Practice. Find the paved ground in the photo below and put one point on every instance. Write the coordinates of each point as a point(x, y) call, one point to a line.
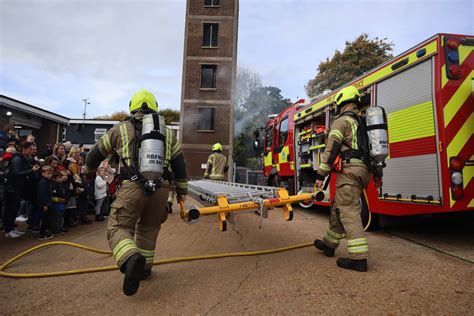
point(406, 276)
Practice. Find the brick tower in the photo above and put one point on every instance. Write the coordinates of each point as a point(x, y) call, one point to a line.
point(208, 86)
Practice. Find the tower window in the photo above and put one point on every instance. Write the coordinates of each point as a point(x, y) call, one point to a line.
point(212, 3)
point(210, 34)
point(206, 119)
point(208, 76)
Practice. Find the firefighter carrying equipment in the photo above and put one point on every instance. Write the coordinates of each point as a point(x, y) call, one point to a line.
point(149, 162)
point(372, 139)
point(151, 150)
point(143, 100)
point(217, 147)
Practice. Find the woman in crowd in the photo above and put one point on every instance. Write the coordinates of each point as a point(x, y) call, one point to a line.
point(59, 153)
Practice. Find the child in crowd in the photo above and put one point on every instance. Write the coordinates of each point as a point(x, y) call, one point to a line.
point(100, 193)
point(44, 201)
point(59, 199)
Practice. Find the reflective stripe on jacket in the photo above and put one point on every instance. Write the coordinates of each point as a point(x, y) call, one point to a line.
point(121, 140)
point(216, 166)
point(343, 131)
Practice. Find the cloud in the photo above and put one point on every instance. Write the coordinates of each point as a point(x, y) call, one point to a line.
point(105, 50)
point(57, 52)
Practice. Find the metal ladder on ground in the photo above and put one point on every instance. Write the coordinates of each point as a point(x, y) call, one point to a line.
point(225, 198)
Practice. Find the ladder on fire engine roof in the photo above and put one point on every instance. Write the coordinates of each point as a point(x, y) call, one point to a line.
point(225, 198)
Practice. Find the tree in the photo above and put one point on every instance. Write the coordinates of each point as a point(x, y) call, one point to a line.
point(116, 116)
point(169, 115)
point(357, 57)
point(246, 81)
point(253, 113)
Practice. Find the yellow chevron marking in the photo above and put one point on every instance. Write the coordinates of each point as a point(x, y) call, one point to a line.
point(457, 144)
point(471, 204)
point(464, 51)
point(410, 123)
point(461, 138)
point(444, 78)
point(458, 99)
point(467, 175)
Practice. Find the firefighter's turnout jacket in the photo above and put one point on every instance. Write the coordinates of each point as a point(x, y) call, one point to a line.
point(345, 220)
point(216, 166)
point(135, 218)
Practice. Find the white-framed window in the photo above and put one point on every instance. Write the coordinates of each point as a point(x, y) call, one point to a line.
point(99, 132)
point(210, 34)
point(212, 3)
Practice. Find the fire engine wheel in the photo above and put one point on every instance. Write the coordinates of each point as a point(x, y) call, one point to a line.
point(305, 204)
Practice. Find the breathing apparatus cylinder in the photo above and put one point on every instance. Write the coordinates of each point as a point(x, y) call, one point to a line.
point(152, 147)
point(376, 121)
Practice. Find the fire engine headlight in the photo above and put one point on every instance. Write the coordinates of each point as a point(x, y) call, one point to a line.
point(456, 178)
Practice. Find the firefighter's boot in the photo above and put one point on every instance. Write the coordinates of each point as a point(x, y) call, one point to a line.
point(134, 267)
point(145, 274)
point(328, 251)
point(353, 264)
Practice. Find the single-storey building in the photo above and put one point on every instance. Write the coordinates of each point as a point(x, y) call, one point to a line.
point(87, 132)
point(47, 127)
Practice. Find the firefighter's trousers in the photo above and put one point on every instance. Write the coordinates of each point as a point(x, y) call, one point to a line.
point(345, 220)
point(135, 221)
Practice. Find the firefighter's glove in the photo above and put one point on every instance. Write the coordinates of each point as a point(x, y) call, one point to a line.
point(378, 182)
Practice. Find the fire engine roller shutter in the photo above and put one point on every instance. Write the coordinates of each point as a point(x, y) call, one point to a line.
point(412, 168)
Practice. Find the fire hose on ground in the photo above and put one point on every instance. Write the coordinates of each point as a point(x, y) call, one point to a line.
point(8, 263)
point(188, 215)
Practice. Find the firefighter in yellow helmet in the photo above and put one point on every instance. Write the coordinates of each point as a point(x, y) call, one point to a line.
point(149, 157)
point(352, 179)
point(216, 164)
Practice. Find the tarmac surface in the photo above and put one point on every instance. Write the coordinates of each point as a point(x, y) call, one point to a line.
point(422, 265)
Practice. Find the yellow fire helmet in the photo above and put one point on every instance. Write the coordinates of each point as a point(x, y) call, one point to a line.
point(143, 100)
point(347, 94)
point(217, 147)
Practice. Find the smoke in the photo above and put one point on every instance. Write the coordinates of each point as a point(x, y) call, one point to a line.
point(247, 82)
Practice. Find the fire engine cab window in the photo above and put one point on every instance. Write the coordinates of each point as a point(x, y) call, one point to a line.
point(210, 33)
point(206, 119)
point(208, 76)
point(283, 132)
point(268, 138)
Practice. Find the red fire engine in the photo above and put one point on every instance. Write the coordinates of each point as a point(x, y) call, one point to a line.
point(427, 93)
point(278, 148)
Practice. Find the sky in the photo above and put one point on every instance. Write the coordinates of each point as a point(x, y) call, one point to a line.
point(55, 53)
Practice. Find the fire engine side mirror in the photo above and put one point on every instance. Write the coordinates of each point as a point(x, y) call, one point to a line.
point(256, 146)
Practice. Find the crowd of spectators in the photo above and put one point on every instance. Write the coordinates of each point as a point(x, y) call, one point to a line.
point(48, 191)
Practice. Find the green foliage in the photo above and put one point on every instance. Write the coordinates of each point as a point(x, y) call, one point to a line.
point(116, 116)
point(169, 115)
point(358, 56)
